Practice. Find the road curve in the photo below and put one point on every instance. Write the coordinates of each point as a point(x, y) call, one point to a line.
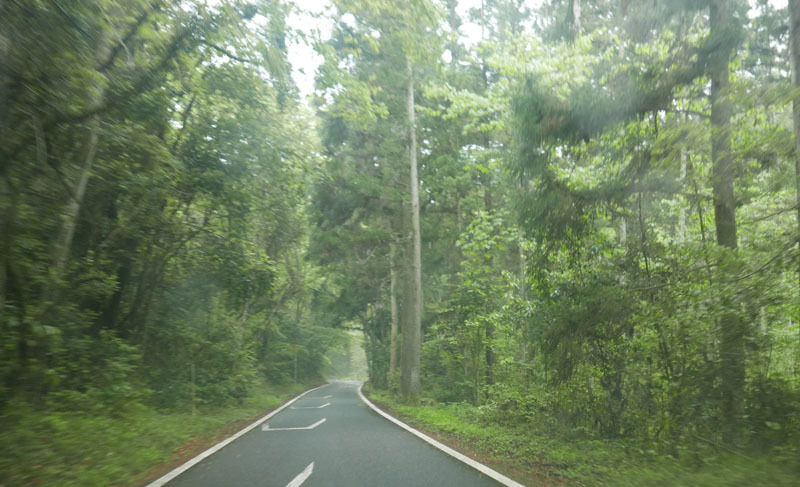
point(330, 438)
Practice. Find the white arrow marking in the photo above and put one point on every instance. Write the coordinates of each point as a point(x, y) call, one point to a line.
point(302, 476)
point(267, 428)
point(310, 407)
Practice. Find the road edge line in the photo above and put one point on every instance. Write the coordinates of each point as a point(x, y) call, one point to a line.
point(159, 482)
point(489, 472)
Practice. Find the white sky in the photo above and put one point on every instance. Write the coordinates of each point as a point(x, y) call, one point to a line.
point(305, 60)
point(302, 55)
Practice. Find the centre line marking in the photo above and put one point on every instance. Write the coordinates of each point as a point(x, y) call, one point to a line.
point(310, 407)
point(302, 476)
point(324, 397)
point(266, 427)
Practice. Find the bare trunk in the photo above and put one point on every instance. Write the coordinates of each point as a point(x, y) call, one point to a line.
point(622, 230)
point(732, 337)
point(724, 200)
point(393, 303)
point(574, 18)
point(523, 296)
point(69, 218)
point(8, 222)
point(240, 333)
point(489, 353)
point(682, 210)
point(412, 333)
point(454, 22)
point(9, 205)
point(84, 162)
point(522, 264)
point(2, 288)
point(794, 45)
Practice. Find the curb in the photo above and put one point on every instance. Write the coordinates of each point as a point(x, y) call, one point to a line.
point(222, 444)
point(440, 446)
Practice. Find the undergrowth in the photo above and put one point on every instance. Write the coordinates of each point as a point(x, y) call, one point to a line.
point(557, 457)
point(86, 449)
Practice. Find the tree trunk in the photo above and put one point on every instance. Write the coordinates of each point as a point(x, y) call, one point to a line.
point(454, 22)
point(6, 187)
point(7, 227)
point(489, 352)
point(84, 162)
point(69, 217)
point(724, 200)
point(682, 209)
point(732, 337)
point(523, 297)
point(393, 303)
point(574, 18)
point(622, 230)
point(794, 44)
point(412, 333)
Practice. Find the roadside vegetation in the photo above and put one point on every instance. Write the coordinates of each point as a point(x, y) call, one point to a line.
point(130, 447)
point(537, 454)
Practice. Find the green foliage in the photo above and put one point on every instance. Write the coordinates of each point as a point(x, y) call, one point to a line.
point(535, 448)
point(73, 447)
point(173, 229)
point(153, 191)
point(98, 376)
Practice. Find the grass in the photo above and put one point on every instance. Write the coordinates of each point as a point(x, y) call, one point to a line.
point(536, 457)
point(78, 449)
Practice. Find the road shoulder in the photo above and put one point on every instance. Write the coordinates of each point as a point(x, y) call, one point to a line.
point(453, 448)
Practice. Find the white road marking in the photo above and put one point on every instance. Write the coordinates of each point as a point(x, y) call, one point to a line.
point(302, 476)
point(324, 397)
point(219, 446)
point(453, 453)
point(310, 407)
point(267, 428)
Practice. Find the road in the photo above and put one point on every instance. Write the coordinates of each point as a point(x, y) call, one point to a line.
point(352, 447)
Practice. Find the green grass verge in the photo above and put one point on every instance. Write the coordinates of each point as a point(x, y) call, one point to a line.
point(536, 457)
point(78, 449)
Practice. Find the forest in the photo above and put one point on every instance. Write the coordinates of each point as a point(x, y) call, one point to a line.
point(573, 219)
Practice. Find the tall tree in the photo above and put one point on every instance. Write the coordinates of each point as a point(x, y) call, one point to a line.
point(412, 332)
point(794, 46)
point(732, 339)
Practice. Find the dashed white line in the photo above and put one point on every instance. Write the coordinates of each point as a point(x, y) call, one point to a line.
point(266, 427)
point(302, 476)
point(194, 461)
point(311, 407)
point(323, 397)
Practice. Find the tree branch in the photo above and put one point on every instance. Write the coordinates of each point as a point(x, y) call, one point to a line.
point(226, 53)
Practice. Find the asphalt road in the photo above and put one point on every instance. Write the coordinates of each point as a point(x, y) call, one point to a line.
point(353, 447)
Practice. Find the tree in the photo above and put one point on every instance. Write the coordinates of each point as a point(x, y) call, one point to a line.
point(412, 332)
point(145, 226)
point(732, 339)
point(794, 45)
point(385, 34)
